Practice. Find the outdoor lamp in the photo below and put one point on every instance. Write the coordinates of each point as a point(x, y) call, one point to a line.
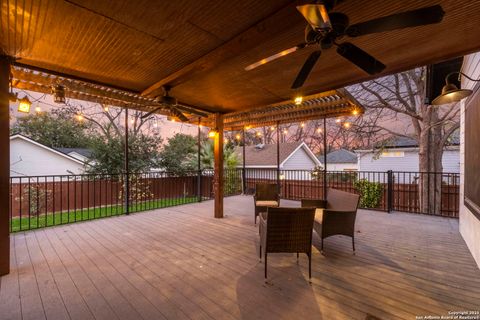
point(24, 105)
point(450, 92)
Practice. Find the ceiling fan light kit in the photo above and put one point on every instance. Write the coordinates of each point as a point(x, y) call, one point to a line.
point(326, 29)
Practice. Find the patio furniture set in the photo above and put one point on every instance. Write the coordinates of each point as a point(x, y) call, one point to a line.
point(290, 230)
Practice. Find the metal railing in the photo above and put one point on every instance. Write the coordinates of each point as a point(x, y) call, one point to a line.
point(42, 201)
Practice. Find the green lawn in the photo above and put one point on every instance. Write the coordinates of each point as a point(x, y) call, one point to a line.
point(52, 219)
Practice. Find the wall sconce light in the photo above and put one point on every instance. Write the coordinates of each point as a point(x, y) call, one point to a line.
point(450, 92)
point(24, 105)
point(58, 92)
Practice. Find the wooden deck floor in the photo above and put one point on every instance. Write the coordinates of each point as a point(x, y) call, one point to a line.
point(180, 263)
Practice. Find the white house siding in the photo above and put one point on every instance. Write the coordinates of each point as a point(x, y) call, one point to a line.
point(342, 166)
point(469, 225)
point(299, 160)
point(29, 159)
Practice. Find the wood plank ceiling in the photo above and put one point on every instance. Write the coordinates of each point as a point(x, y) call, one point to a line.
point(202, 47)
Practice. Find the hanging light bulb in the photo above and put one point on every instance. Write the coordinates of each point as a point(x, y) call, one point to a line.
point(338, 120)
point(105, 109)
point(238, 136)
point(213, 133)
point(355, 112)
point(347, 125)
point(302, 124)
point(38, 109)
point(272, 128)
point(80, 117)
point(24, 105)
point(319, 130)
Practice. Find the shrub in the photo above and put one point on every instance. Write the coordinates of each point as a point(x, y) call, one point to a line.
point(370, 193)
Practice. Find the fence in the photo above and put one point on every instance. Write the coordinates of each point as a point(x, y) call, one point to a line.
point(41, 201)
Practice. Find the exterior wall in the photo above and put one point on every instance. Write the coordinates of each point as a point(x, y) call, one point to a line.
point(469, 225)
point(28, 159)
point(300, 160)
point(342, 166)
point(409, 162)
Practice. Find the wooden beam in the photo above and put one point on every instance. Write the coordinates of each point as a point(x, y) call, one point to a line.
point(218, 175)
point(4, 166)
point(262, 31)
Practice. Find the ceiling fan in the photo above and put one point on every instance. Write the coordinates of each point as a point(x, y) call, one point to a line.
point(170, 104)
point(325, 28)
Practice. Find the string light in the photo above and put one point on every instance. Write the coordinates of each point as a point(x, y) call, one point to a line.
point(347, 125)
point(355, 112)
point(272, 128)
point(80, 117)
point(338, 120)
point(319, 130)
point(105, 109)
point(212, 133)
point(38, 109)
point(285, 131)
point(237, 136)
point(132, 121)
point(258, 134)
point(302, 124)
point(248, 127)
point(155, 124)
point(225, 140)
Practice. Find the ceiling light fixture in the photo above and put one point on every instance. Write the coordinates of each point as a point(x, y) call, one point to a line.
point(450, 92)
point(298, 100)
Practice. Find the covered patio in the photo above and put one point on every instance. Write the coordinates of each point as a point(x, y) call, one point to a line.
point(192, 58)
point(179, 263)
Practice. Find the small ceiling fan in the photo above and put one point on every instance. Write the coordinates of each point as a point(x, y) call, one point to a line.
point(168, 103)
point(325, 28)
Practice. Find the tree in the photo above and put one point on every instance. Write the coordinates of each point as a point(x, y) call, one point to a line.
point(207, 159)
point(56, 129)
point(399, 98)
point(177, 153)
point(108, 145)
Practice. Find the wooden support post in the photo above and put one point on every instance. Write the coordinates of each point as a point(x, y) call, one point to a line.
point(218, 175)
point(4, 166)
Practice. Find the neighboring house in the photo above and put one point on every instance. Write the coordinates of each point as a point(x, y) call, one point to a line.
point(341, 160)
point(81, 154)
point(401, 154)
point(293, 156)
point(30, 158)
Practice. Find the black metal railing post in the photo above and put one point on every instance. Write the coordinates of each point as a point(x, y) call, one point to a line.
point(126, 160)
point(389, 191)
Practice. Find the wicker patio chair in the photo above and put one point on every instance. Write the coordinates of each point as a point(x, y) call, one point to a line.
point(266, 195)
point(287, 230)
point(336, 215)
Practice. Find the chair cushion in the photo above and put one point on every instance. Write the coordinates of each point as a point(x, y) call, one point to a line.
point(319, 215)
point(266, 203)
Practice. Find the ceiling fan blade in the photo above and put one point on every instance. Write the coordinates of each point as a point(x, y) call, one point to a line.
point(360, 58)
point(275, 56)
point(177, 113)
point(148, 114)
point(414, 18)
point(306, 69)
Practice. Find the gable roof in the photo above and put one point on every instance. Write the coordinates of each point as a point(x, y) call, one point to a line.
point(341, 156)
point(87, 153)
point(24, 138)
point(266, 154)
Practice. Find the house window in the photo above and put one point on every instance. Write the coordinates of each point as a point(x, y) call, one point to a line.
point(393, 154)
